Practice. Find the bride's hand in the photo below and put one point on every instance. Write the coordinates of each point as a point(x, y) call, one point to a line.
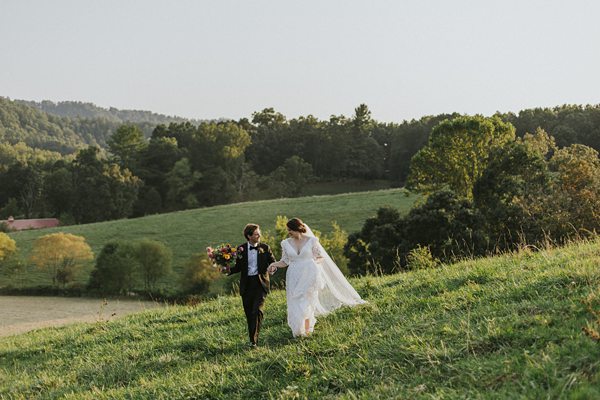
point(271, 269)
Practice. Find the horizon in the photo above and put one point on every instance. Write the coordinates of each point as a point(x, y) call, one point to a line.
point(229, 59)
point(516, 112)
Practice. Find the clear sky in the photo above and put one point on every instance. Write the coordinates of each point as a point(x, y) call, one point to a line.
point(224, 58)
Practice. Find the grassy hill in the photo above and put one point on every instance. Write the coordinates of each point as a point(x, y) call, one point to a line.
point(507, 327)
point(189, 232)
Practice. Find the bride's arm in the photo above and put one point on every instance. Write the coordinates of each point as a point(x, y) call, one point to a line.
point(278, 264)
point(284, 262)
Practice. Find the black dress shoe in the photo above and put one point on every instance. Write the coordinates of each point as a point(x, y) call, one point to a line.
point(252, 344)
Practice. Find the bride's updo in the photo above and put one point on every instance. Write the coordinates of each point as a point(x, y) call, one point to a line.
point(297, 225)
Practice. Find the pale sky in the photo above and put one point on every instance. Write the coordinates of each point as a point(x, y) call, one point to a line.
point(224, 58)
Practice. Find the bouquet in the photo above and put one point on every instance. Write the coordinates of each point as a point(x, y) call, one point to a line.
point(223, 256)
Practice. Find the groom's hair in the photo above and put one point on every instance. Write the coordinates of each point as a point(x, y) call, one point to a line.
point(249, 230)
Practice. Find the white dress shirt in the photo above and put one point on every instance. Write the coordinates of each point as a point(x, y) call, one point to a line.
point(252, 261)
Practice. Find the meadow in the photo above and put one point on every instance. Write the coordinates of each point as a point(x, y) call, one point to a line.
point(506, 327)
point(189, 232)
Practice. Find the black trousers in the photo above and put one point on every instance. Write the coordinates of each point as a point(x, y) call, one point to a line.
point(254, 301)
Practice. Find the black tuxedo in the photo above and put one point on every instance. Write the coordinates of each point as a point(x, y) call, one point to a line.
point(253, 289)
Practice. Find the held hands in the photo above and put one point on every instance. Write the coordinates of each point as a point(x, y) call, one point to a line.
point(271, 269)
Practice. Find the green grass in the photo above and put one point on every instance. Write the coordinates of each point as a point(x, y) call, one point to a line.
point(345, 186)
point(189, 232)
point(336, 187)
point(508, 327)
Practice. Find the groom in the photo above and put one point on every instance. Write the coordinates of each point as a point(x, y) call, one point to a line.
point(252, 261)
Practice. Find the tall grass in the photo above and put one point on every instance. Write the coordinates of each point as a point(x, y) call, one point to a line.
point(507, 327)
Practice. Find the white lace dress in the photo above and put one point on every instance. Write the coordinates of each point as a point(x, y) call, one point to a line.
point(303, 281)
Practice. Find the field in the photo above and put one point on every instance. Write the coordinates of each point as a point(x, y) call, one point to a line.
point(508, 327)
point(24, 313)
point(189, 232)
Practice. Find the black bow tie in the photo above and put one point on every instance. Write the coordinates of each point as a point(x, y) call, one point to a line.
point(253, 248)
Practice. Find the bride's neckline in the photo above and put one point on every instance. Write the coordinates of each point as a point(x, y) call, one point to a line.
point(290, 240)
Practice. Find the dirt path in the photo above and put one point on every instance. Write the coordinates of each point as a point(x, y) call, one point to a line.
point(20, 314)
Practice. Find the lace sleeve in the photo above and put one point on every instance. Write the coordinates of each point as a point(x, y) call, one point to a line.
point(284, 256)
point(316, 249)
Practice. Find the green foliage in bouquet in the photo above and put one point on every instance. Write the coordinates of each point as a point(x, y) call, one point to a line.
point(222, 256)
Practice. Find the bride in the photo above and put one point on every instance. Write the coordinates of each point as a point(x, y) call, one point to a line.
point(314, 284)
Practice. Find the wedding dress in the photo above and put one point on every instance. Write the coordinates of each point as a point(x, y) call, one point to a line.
point(314, 284)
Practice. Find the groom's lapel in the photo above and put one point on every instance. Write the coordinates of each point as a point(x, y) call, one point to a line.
point(244, 263)
point(260, 256)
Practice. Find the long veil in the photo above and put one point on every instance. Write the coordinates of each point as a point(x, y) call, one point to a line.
point(336, 291)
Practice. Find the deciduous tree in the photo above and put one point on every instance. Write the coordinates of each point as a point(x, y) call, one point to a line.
point(576, 199)
point(290, 178)
point(457, 153)
point(61, 254)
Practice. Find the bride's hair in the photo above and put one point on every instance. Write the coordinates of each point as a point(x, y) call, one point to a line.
point(297, 225)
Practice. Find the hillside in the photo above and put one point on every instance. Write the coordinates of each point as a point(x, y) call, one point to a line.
point(504, 328)
point(37, 129)
point(65, 127)
point(189, 232)
point(78, 109)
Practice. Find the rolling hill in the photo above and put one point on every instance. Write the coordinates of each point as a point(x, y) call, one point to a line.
point(189, 232)
point(508, 327)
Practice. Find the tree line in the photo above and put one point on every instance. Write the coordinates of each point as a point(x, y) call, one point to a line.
point(123, 170)
point(487, 191)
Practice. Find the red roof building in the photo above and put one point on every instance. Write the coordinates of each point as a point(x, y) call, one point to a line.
point(22, 224)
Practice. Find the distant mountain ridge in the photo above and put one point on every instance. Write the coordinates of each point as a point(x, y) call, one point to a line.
point(78, 109)
point(37, 129)
point(67, 126)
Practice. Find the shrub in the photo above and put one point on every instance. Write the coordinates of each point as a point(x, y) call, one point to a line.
point(154, 261)
point(449, 226)
point(274, 241)
point(7, 246)
point(375, 247)
point(116, 270)
point(420, 257)
point(199, 275)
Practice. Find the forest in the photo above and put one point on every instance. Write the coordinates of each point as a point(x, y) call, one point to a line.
point(82, 163)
